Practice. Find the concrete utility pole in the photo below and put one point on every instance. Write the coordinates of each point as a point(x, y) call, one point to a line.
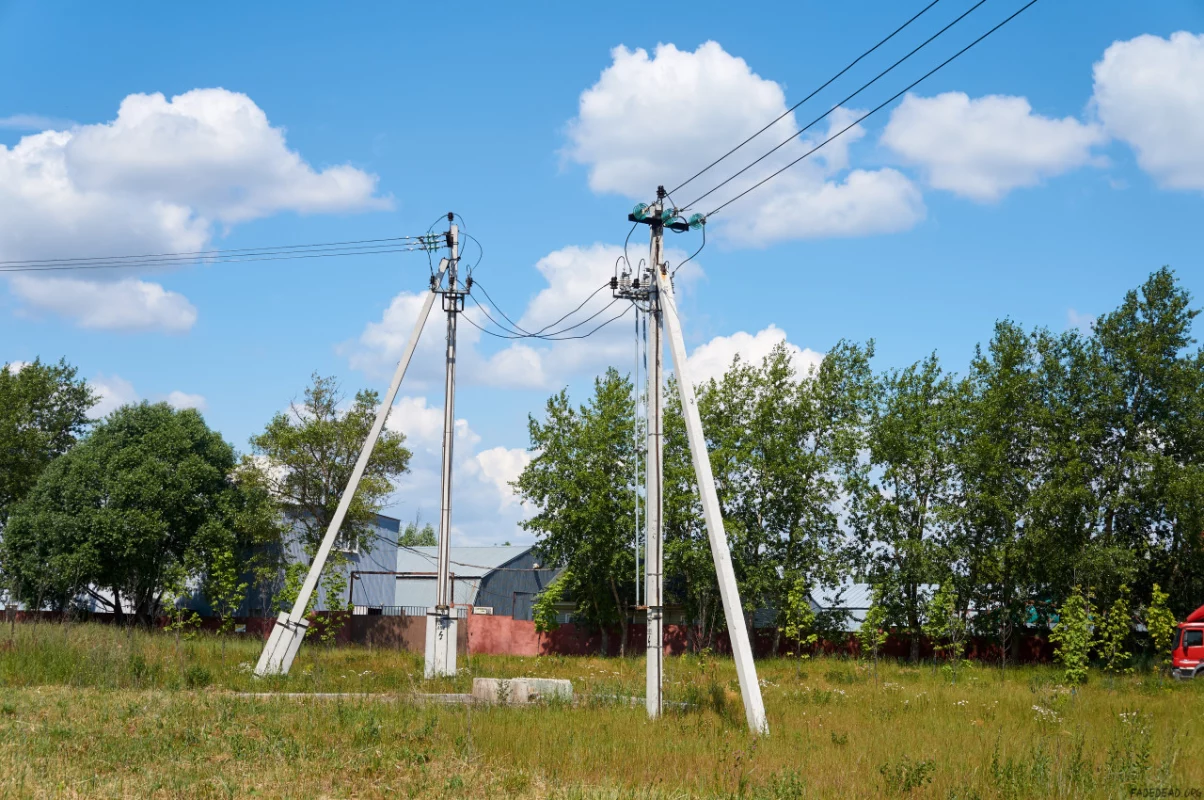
point(440, 622)
point(656, 287)
point(655, 471)
point(288, 632)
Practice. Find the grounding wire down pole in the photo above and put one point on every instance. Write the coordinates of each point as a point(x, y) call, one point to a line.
point(285, 638)
point(635, 419)
point(440, 623)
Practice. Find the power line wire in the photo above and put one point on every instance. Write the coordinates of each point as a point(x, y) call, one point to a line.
point(874, 110)
point(518, 328)
point(180, 263)
point(694, 254)
point(235, 255)
point(555, 336)
point(544, 329)
point(824, 115)
point(217, 252)
point(794, 107)
point(520, 332)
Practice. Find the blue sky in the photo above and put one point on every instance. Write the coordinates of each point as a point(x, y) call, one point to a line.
point(1043, 193)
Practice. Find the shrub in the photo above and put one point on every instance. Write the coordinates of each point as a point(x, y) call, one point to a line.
point(1072, 636)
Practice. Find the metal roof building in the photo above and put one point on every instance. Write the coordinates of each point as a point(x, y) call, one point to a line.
point(504, 579)
point(377, 555)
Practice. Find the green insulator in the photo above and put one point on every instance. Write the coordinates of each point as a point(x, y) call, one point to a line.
point(640, 212)
point(696, 221)
point(667, 215)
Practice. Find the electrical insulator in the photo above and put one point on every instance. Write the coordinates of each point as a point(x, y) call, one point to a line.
point(696, 221)
point(640, 212)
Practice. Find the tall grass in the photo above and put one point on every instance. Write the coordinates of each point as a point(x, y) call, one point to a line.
point(96, 711)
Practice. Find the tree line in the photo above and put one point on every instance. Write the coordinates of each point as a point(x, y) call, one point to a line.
point(1058, 465)
point(149, 508)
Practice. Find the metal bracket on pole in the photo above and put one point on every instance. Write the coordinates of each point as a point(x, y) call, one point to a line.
point(750, 689)
point(285, 640)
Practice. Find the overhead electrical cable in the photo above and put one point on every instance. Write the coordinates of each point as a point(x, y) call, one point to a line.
point(544, 329)
point(554, 336)
point(615, 318)
point(872, 111)
point(480, 255)
point(694, 254)
point(202, 253)
point(236, 255)
point(825, 115)
point(510, 333)
point(518, 332)
point(517, 328)
point(794, 107)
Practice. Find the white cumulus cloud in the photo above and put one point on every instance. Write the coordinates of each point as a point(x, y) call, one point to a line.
point(160, 177)
point(114, 392)
point(697, 105)
point(982, 148)
point(125, 305)
point(501, 466)
point(181, 400)
point(485, 509)
point(32, 122)
point(712, 360)
point(1149, 92)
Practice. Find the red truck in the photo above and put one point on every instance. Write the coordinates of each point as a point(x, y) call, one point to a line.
point(1187, 653)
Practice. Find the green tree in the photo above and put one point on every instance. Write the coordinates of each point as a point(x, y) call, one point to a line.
point(414, 535)
point(797, 618)
point(784, 448)
point(1113, 634)
point(224, 586)
point(1148, 439)
point(136, 507)
point(1071, 636)
point(43, 411)
point(946, 627)
point(306, 457)
point(1161, 624)
point(901, 516)
point(994, 453)
point(578, 480)
point(544, 608)
point(873, 632)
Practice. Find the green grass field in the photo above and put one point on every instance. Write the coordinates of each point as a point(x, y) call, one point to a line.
point(92, 711)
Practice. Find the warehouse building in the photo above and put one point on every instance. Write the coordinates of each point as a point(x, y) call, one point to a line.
point(493, 580)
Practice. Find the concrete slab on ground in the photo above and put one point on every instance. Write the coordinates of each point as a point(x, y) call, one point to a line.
point(521, 691)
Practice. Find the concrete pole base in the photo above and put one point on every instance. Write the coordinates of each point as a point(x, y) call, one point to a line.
point(283, 644)
point(441, 629)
